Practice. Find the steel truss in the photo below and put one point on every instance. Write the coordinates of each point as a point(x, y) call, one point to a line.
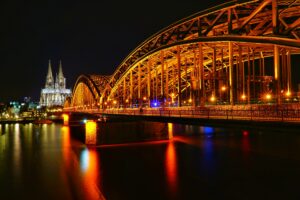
point(218, 55)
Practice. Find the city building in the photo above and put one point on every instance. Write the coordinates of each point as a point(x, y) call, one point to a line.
point(55, 92)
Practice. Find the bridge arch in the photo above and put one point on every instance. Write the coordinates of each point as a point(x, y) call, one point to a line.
point(87, 91)
point(235, 52)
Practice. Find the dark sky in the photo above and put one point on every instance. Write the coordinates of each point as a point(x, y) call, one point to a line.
point(88, 36)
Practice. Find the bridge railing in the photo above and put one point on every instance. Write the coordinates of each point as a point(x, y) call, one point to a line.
point(228, 114)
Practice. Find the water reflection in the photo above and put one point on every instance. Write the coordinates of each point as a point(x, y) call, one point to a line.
point(65, 119)
point(17, 150)
point(170, 131)
point(245, 142)
point(171, 167)
point(89, 164)
point(66, 144)
point(90, 132)
point(199, 162)
point(208, 131)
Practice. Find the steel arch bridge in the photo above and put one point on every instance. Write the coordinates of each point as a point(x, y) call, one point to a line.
point(236, 52)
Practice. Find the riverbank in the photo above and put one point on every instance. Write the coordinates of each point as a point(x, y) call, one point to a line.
point(31, 120)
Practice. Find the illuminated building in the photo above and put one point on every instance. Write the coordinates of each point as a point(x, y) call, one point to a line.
point(55, 92)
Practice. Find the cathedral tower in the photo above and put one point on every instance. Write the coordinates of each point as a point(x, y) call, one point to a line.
point(55, 92)
point(49, 77)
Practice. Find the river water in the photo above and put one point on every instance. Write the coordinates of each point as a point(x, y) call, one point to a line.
point(137, 160)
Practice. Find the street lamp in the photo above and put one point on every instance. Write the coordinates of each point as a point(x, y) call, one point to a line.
point(212, 98)
point(243, 97)
point(223, 88)
point(268, 96)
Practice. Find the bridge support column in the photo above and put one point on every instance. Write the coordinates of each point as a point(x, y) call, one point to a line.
point(230, 47)
point(277, 73)
point(149, 82)
point(167, 83)
point(253, 74)
point(131, 89)
point(289, 77)
point(248, 76)
point(162, 83)
point(179, 75)
point(139, 86)
point(214, 71)
point(201, 76)
point(124, 92)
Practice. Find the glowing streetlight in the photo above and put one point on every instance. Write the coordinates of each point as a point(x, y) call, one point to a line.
point(190, 100)
point(127, 101)
point(212, 98)
point(115, 102)
point(144, 98)
point(243, 97)
point(288, 94)
point(223, 88)
point(268, 96)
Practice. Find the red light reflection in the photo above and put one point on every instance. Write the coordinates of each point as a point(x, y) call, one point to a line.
point(171, 167)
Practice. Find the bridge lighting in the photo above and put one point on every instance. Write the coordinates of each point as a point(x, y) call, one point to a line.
point(212, 98)
point(90, 132)
point(223, 88)
point(243, 97)
point(268, 96)
point(65, 119)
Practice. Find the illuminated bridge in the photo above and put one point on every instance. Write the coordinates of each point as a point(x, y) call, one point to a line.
point(237, 53)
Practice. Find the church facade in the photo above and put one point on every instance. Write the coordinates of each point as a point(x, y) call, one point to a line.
point(55, 91)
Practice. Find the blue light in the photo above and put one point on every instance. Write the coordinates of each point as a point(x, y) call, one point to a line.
point(84, 160)
point(84, 121)
point(155, 103)
point(208, 130)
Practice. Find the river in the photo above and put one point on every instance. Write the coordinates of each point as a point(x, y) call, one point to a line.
point(137, 160)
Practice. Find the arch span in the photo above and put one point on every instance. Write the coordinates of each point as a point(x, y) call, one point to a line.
point(236, 52)
point(87, 90)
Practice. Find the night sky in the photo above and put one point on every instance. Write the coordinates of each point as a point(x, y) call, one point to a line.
point(90, 37)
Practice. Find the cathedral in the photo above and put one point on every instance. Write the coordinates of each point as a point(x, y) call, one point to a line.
point(55, 92)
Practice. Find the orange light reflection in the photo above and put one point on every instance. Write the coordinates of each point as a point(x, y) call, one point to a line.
point(66, 119)
point(170, 131)
point(91, 177)
point(171, 167)
point(91, 132)
point(66, 145)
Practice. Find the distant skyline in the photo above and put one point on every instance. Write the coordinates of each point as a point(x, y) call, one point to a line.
point(90, 37)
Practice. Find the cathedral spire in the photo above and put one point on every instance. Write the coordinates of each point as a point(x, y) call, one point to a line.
point(49, 78)
point(60, 72)
point(49, 74)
